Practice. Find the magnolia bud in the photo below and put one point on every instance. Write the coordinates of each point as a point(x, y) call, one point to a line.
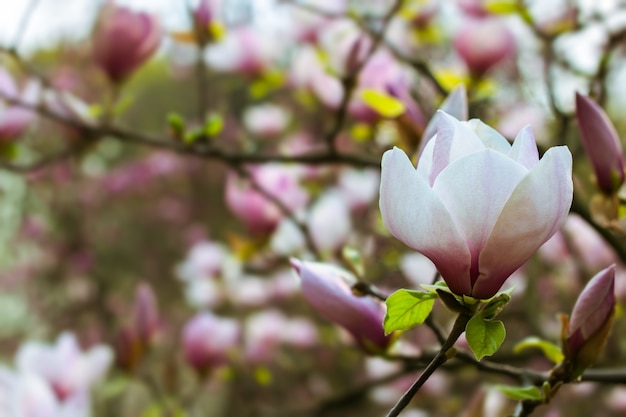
point(146, 314)
point(124, 40)
point(591, 320)
point(601, 143)
point(326, 289)
point(483, 44)
point(208, 340)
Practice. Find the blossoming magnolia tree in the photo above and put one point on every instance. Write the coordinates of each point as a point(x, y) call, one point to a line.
point(320, 208)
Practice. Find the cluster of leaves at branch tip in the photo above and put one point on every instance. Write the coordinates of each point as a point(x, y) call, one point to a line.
point(409, 308)
point(213, 125)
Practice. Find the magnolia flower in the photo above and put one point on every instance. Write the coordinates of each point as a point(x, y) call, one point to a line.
point(245, 50)
point(327, 290)
point(601, 143)
point(591, 320)
point(67, 369)
point(124, 40)
point(208, 340)
point(483, 43)
point(28, 395)
point(266, 120)
point(476, 206)
point(253, 207)
point(329, 221)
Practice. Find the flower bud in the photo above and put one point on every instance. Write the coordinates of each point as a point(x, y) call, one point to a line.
point(601, 143)
point(327, 290)
point(208, 340)
point(260, 214)
point(124, 40)
point(591, 320)
point(205, 23)
point(483, 44)
point(146, 314)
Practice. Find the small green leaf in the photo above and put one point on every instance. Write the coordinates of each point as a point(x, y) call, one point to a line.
point(214, 125)
point(193, 136)
point(406, 309)
point(521, 393)
point(176, 122)
point(502, 6)
point(439, 285)
point(484, 337)
point(495, 305)
point(382, 103)
point(549, 349)
point(123, 104)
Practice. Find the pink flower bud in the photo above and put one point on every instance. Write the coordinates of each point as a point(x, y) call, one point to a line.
point(601, 143)
point(591, 320)
point(327, 290)
point(208, 340)
point(260, 214)
point(204, 17)
point(205, 13)
point(483, 44)
point(146, 314)
point(124, 40)
point(476, 206)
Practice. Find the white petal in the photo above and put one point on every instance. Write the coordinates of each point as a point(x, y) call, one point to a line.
point(454, 140)
point(474, 189)
point(490, 137)
point(524, 149)
point(414, 214)
point(535, 211)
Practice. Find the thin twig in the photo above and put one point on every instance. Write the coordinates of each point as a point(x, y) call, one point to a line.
point(438, 360)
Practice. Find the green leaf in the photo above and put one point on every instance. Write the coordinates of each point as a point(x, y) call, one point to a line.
point(549, 349)
point(502, 6)
point(176, 122)
point(521, 393)
point(382, 103)
point(484, 337)
point(495, 305)
point(214, 125)
point(439, 285)
point(406, 309)
point(123, 104)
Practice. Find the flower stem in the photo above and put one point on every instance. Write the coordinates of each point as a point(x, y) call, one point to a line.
point(438, 360)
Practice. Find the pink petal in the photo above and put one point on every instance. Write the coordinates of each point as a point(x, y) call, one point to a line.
point(533, 213)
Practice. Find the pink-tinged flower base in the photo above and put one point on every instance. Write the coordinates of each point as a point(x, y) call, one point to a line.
point(477, 206)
